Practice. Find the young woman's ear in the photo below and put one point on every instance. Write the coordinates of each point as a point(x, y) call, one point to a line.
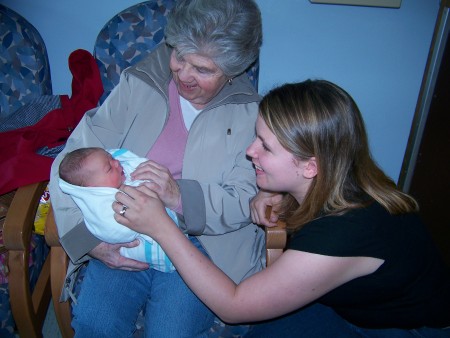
point(311, 168)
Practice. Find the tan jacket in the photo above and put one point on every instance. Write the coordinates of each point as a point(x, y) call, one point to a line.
point(218, 180)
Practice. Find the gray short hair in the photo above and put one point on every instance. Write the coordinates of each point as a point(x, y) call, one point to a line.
point(227, 31)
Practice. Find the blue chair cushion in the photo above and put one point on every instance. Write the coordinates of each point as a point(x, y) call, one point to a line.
point(24, 68)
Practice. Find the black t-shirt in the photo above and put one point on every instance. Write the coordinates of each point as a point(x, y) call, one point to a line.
point(411, 288)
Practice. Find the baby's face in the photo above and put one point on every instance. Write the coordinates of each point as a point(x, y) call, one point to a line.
point(103, 170)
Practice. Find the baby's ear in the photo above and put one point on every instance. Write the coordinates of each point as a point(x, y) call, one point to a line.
point(311, 168)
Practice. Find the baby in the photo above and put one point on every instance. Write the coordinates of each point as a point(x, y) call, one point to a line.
point(92, 177)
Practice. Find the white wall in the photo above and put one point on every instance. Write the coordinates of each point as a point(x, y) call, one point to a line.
point(377, 54)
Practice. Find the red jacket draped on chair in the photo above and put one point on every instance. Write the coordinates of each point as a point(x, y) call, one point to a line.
point(20, 165)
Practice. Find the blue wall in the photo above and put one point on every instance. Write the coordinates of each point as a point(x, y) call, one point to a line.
point(377, 54)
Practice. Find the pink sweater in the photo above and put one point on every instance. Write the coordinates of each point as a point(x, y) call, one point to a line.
point(168, 149)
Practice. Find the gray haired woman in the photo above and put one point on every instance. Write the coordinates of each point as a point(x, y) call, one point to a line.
point(190, 108)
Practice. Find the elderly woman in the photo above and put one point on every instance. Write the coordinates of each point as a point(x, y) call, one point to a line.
point(190, 109)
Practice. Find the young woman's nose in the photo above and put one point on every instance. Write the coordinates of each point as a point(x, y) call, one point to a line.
point(251, 150)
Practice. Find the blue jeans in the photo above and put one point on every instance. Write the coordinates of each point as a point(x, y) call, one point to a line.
point(319, 321)
point(110, 300)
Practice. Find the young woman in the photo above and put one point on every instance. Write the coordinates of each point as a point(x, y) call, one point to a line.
point(359, 261)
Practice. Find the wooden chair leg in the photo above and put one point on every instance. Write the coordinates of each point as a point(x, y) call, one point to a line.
point(28, 308)
point(63, 311)
point(59, 262)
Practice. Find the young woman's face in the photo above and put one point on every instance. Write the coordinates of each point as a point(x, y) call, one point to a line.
point(198, 79)
point(277, 169)
point(104, 170)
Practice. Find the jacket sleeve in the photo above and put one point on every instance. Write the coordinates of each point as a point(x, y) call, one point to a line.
point(223, 181)
point(228, 204)
point(101, 127)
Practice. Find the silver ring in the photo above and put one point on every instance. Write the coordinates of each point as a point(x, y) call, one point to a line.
point(124, 209)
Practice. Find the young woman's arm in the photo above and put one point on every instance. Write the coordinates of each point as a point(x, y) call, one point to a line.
point(293, 281)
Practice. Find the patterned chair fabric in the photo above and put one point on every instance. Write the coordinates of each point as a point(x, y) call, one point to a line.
point(128, 38)
point(24, 78)
point(24, 66)
point(133, 34)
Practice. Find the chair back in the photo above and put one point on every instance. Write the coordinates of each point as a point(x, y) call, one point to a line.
point(24, 65)
point(130, 36)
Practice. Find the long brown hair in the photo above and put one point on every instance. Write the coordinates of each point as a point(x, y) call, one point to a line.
point(319, 119)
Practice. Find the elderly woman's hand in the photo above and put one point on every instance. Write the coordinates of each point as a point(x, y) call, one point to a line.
point(259, 204)
point(140, 209)
point(160, 181)
point(110, 255)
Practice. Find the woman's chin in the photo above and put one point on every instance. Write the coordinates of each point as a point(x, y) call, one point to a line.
point(262, 184)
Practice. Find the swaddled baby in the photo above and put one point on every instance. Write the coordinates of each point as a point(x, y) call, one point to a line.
point(92, 177)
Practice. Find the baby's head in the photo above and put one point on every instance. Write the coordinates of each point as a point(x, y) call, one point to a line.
point(91, 167)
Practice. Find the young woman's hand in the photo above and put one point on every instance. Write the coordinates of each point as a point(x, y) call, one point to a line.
point(141, 209)
point(160, 180)
point(259, 204)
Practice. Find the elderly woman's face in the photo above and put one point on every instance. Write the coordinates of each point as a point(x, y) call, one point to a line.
point(198, 79)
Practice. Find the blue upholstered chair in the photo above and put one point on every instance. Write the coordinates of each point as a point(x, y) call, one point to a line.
point(24, 67)
point(24, 269)
point(128, 38)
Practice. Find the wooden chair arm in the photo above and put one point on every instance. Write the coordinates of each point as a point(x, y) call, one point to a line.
point(20, 218)
point(17, 232)
point(276, 238)
point(29, 308)
point(51, 231)
point(59, 262)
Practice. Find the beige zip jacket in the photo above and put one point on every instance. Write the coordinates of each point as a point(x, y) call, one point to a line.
point(218, 180)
